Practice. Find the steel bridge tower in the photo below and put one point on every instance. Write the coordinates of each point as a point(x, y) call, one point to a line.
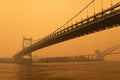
point(26, 43)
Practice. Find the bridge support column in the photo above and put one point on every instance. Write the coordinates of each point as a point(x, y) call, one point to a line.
point(92, 57)
point(88, 56)
point(27, 58)
point(99, 56)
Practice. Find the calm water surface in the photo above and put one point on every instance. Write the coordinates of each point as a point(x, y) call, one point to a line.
point(61, 71)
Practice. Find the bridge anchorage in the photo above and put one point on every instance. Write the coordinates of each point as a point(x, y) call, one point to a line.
point(28, 57)
point(98, 21)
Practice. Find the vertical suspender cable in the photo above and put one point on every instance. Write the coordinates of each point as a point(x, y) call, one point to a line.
point(102, 4)
point(111, 3)
point(94, 8)
point(75, 15)
point(81, 16)
point(87, 13)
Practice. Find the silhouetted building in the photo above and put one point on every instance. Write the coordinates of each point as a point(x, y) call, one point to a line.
point(6, 60)
point(64, 59)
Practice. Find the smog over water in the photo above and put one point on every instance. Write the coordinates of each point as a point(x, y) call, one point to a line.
point(59, 40)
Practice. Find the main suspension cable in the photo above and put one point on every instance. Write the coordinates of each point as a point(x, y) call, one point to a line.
point(75, 15)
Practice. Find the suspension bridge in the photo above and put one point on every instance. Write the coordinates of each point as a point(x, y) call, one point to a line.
point(98, 21)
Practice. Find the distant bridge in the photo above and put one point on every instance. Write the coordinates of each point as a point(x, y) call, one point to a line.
point(110, 51)
point(107, 18)
point(100, 55)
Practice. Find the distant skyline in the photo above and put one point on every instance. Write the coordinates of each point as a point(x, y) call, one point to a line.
point(38, 18)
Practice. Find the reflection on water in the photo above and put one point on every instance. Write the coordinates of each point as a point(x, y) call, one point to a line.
point(61, 71)
point(15, 72)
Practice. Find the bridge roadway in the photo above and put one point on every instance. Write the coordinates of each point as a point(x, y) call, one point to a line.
point(106, 19)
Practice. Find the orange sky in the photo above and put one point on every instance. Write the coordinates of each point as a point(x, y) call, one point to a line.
point(38, 18)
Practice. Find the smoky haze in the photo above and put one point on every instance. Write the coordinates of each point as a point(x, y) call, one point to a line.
point(38, 18)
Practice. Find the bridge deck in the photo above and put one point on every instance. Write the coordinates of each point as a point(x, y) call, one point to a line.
point(104, 20)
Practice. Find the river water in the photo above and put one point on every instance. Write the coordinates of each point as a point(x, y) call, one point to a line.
point(61, 71)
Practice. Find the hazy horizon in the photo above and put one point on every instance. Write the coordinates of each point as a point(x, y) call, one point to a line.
point(39, 18)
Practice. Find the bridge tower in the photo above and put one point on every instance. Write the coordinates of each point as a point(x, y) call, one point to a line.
point(99, 56)
point(27, 42)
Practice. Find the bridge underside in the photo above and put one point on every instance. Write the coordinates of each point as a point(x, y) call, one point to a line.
point(88, 28)
point(95, 24)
